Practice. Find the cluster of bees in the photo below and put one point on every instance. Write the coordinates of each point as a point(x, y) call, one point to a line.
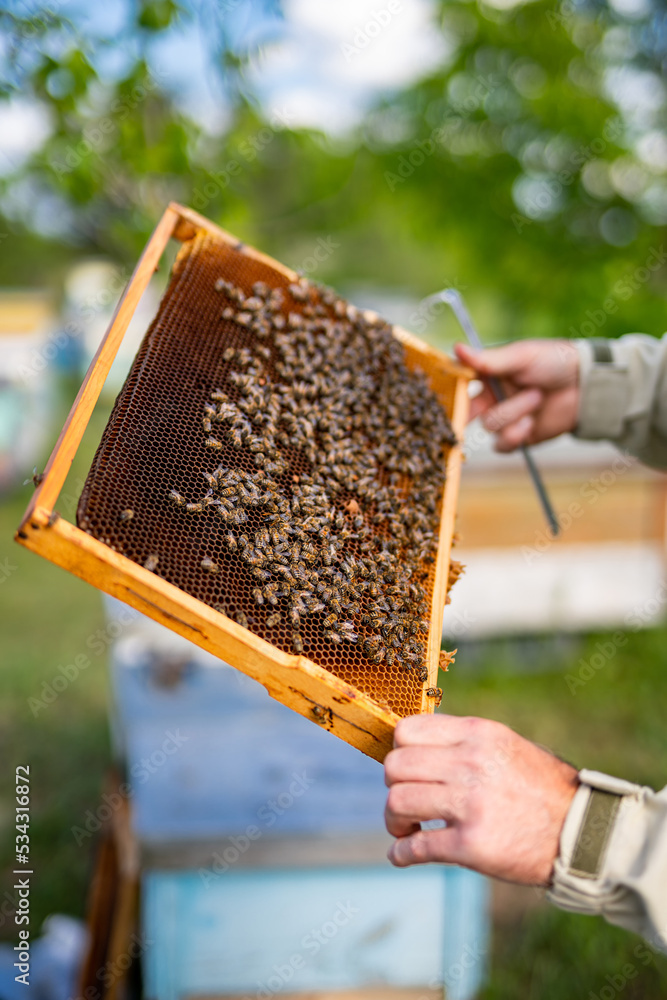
point(332, 504)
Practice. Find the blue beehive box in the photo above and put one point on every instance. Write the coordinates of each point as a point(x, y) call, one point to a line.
point(263, 846)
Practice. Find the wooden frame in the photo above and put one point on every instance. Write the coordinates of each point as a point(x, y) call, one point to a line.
point(113, 904)
point(294, 680)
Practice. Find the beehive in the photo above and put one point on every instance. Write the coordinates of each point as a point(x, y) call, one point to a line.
point(133, 544)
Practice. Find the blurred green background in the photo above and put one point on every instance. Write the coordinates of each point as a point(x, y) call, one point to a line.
point(525, 162)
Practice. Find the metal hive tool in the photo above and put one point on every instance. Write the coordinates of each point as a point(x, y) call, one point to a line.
point(177, 568)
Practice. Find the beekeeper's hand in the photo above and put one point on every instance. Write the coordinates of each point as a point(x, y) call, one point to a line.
point(541, 379)
point(504, 799)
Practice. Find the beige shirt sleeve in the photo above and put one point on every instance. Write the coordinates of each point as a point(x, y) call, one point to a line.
point(625, 400)
point(630, 888)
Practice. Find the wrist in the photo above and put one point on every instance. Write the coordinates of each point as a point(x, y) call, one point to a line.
point(564, 792)
point(585, 838)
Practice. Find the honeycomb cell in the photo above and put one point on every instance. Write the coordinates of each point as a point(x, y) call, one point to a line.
point(216, 454)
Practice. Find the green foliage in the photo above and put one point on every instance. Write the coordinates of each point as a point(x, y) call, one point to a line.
point(492, 173)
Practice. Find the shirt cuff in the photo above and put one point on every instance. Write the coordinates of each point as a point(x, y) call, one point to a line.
point(609, 892)
point(604, 396)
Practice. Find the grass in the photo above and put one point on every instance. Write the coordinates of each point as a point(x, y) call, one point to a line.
point(614, 722)
point(46, 616)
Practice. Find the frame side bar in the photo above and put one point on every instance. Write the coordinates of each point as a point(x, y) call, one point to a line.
point(447, 519)
point(59, 463)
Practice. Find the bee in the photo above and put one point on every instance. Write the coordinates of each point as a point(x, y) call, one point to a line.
point(261, 574)
point(261, 328)
point(231, 542)
point(273, 619)
point(379, 655)
point(294, 615)
point(194, 508)
point(332, 636)
point(241, 619)
point(211, 480)
point(213, 444)
point(262, 538)
point(209, 566)
point(227, 491)
point(36, 478)
point(435, 693)
point(258, 596)
point(261, 289)
point(297, 642)
point(228, 312)
point(390, 657)
point(242, 541)
point(239, 516)
point(235, 437)
point(276, 535)
point(229, 354)
point(206, 424)
point(151, 562)
point(177, 499)
point(218, 396)
point(253, 304)
point(299, 293)
point(126, 515)
point(330, 620)
point(226, 411)
point(244, 318)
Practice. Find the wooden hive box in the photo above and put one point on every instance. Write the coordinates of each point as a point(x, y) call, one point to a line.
point(152, 426)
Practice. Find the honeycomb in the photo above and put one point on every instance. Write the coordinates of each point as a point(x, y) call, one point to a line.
point(153, 447)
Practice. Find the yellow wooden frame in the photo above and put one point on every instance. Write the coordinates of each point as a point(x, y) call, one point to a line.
point(294, 680)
